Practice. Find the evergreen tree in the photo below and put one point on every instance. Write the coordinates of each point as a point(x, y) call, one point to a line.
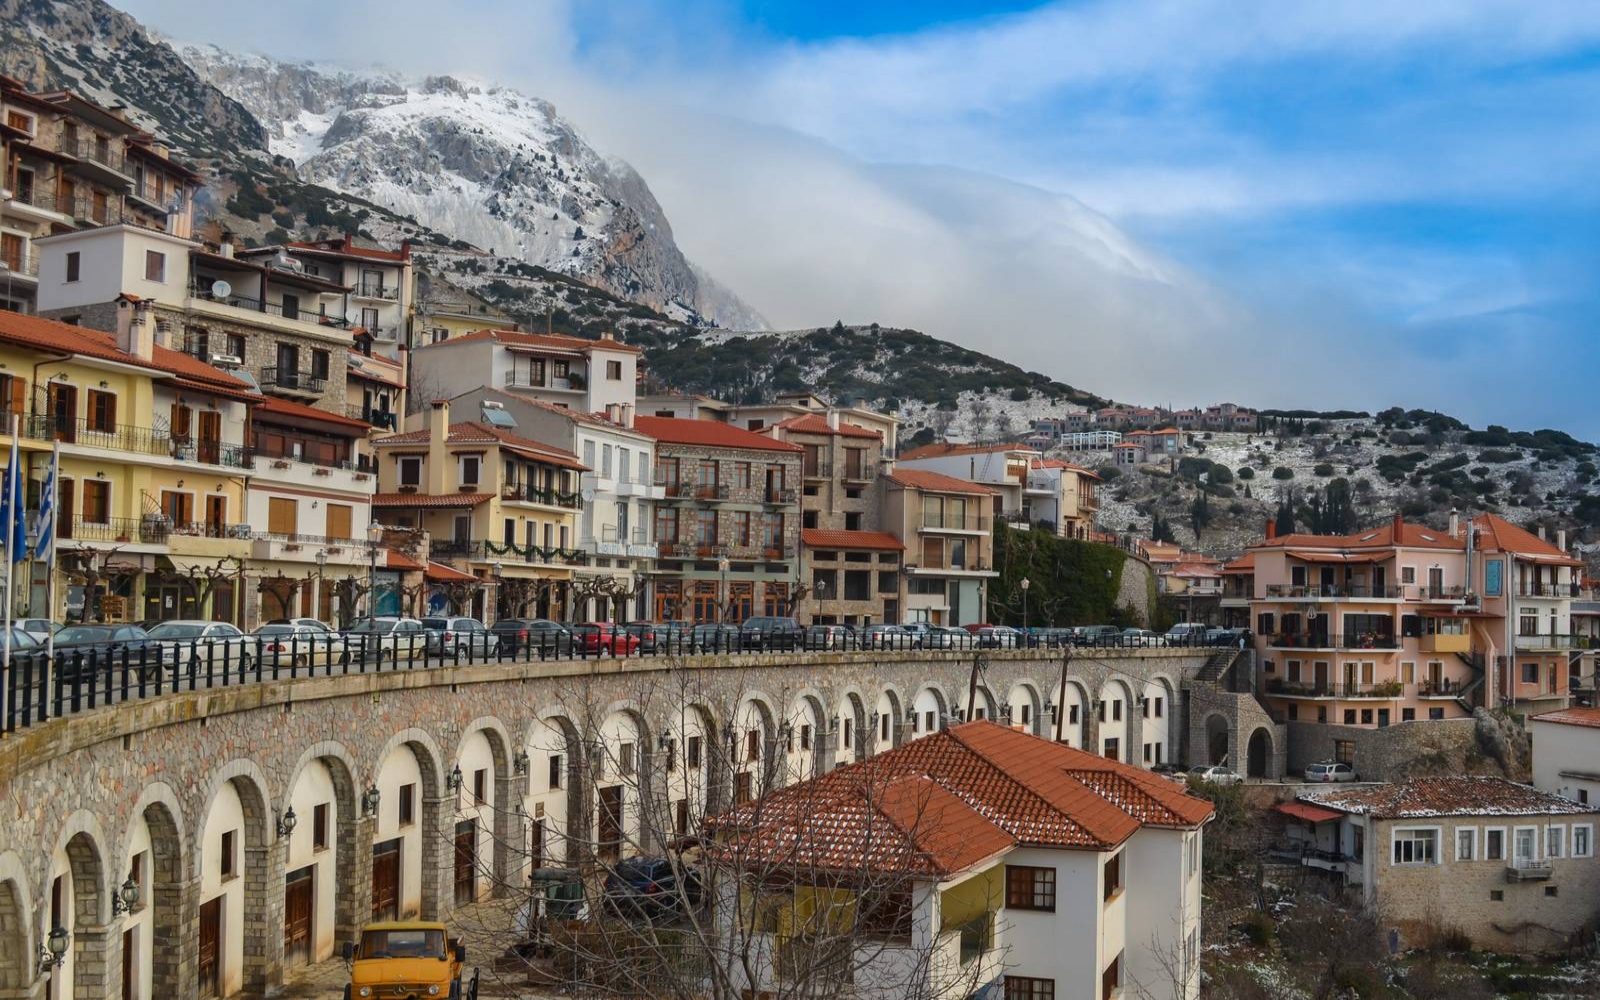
point(1160, 530)
point(1285, 520)
point(1200, 513)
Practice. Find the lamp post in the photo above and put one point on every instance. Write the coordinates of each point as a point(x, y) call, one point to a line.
point(722, 566)
point(322, 577)
point(499, 587)
point(125, 898)
point(822, 597)
point(375, 535)
point(1026, 583)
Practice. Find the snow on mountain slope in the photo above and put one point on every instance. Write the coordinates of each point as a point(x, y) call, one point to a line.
point(485, 164)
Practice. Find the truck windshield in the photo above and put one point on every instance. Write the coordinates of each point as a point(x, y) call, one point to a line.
point(406, 943)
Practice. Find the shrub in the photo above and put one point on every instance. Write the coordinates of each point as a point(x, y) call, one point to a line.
point(1498, 456)
point(1245, 472)
point(1283, 472)
point(1323, 469)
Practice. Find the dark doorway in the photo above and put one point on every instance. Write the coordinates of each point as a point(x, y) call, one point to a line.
point(386, 880)
point(466, 862)
point(609, 829)
point(210, 959)
point(1259, 750)
point(130, 951)
point(299, 895)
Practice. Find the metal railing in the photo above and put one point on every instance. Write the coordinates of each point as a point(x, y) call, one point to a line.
point(297, 538)
point(26, 264)
point(946, 522)
point(1318, 640)
point(1334, 591)
point(1557, 642)
point(106, 154)
point(820, 469)
point(526, 380)
point(1548, 590)
point(386, 419)
point(39, 196)
point(272, 375)
point(377, 290)
point(539, 494)
point(525, 553)
point(201, 289)
point(137, 440)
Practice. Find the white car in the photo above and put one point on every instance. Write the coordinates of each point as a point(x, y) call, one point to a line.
point(1329, 770)
point(1215, 775)
point(386, 637)
point(316, 625)
point(194, 644)
point(284, 644)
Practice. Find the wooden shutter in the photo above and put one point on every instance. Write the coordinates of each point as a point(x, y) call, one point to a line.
point(180, 420)
point(338, 521)
point(282, 516)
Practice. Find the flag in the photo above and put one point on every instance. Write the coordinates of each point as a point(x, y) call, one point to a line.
point(13, 519)
point(44, 546)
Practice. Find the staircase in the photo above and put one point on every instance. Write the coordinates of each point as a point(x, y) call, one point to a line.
point(1464, 696)
point(1217, 666)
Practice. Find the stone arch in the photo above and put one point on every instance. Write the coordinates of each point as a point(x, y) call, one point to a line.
point(1218, 738)
point(851, 732)
point(930, 711)
point(1073, 706)
point(426, 750)
point(1158, 721)
point(753, 752)
point(82, 838)
point(619, 781)
point(78, 860)
point(493, 817)
point(416, 849)
point(17, 951)
point(158, 809)
point(554, 793)
point(888, 716)
point(339, 888)
point(803, 750)
point(251, 943)
point(986, 706)
point(1258, 753)
point(1024, 706)
point(1115, 719)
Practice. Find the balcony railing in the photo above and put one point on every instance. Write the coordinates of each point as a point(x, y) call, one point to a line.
point(41, 196)
point(946, 522)
point(1529, 870)
point(386, 419)
point(1548, 590)
point(517, 379)
point(359, 464)
point(201, 289)
point(115, 529)
point(105, 154)
point(1341, 689)
point(1557, 642)
point(1334, 591)
point(536, 494)
point(19, 264)
point(526, 553)
point(820, 469)
point(777, 495)
point(377, 290)
point(1319, 640)
point(296, 381)
point(134, 440)
point(296, 538)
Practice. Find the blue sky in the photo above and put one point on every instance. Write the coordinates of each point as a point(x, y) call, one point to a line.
point(1164, 200)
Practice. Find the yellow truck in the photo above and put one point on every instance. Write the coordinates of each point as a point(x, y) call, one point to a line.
point(407, 960)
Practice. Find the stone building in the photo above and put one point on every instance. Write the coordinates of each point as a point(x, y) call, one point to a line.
point(728, 525)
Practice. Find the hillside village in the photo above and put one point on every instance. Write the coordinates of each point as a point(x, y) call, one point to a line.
point(1067, 697)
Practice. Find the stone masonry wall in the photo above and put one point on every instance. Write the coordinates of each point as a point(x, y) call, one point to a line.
point(1387, 754)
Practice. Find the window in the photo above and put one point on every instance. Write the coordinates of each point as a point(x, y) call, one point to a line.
point(1497, 895)
point(319, 364)
point(1416, 847)
point(480, 785)
point(705, 528)
point(1158, 708)
point(1555, 841)
point(1408, 574)
point(407, 813)
point(625, 758)
point(1550, 890)
point(613, 371)
point(102, 411)
point(469, 470)
point(1030, 888)
point(226, 858)
point(74, 264)
point(553, 771)
point(411, 472)
point(741, 528)
point(1030, 988)
point(805, 736)
point(1494, 845)
point(319, 827)
point(694, 751)
point(1408, 715)
point(1116, 710)
point(1583, 841)
point(1113, 877)
point(96, 501)
point(1466, 843)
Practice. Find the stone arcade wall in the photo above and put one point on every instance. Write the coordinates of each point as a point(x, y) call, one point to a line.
point(79, 787)
point(1385, 754)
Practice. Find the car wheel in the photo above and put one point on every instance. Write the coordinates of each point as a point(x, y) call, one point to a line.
point(302, 660)
point(245, 662)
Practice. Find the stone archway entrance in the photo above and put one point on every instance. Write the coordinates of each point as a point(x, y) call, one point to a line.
point(1216, 739)
point(1258, 754)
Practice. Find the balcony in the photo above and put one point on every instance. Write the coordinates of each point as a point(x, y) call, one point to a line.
point(519, 493)
point(1345, 592)
point(103, 160)
point(777, 495)
point(1331, 691)
point(1529, 870)
point(820, 469)
point(40, 203)
point(290, 382)
point(1445, 642)
point(517, 379)
point(356, 476)
point(1553, 642)
point(971, 524)
point(201, 289)
point(377, 290)
point(512, 552)
point(21, 268)
point(638, 486)
point(306, 548)
point(1320, 640)
point(1443, 687)
point(126, 439)
point(635, 544)
point(1550, 590)
point(383, 419)
point(118, 530)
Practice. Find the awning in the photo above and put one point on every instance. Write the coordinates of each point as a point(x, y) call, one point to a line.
point(440, 573)
point(1306, 555)
point(1308, 812)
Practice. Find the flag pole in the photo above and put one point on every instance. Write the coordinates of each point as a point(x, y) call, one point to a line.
point(11, 534)
point(53, 496)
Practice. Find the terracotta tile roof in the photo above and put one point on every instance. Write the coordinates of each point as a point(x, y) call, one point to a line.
point(548, 341)
point(593, 419)
point(1587, 717)
point(1456, 795)
point(709, 434)
point(1308, 811)
point(346, 247)
point(811, 423)
point(429, 499)
point(1244, 564)
point(55, 337)
point(936, 482)
point(395, 559)
point(288, 408)
point(1500, 534)
point(1386, 535)
point(939, 804)
point(440, 573)
point(944, 450)
point(375, 369)
point(825, 538)
point(471, 432)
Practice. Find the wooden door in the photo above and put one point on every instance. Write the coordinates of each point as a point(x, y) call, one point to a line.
point(216, 516)
point(386, 880)
point(63, 404)
point(608, 829)
point(299, 895)
point(466, 861)
point(210, 959)
point(210, 437)
point(130, 953)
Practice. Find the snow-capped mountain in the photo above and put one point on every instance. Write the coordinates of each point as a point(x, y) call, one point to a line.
point(482, 163)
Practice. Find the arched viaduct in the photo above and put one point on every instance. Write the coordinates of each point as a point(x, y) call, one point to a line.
point(415, 791)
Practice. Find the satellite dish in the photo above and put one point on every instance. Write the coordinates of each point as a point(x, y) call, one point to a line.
point(221, 289)
point(588, 494)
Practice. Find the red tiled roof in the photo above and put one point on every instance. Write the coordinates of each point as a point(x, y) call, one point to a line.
point(549, 341)
point(708, 434)
point(376, 369)
point(50, 335)
point(1244, 564)
point(811, 423)
point(944, 802)
point(826, 538)
point(936, 482)
point(471, 432)
point(596, 419)
point(1308, 811)
point(347, 247)
point(440, 573)
point(1587, 717)
point(1456, 795)
point(395, 559)
point(289, 408)
point(943, 450)
point(1506, 537)
point(429, 499)
point(1387, 535)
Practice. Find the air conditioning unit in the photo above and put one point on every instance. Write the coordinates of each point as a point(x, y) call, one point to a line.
point(227, 360)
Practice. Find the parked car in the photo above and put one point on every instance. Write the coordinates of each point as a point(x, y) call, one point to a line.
point(1330, 770)
point(768, 632)
point(532, 635)
point(466, 637)
point(386, 637)
point(1098, 635)
point(887, 637)
point(26, 646)
point(1052, 638)
point(39, 628)
point(195, 644)
point(1215, 775)
point(670, 637)
point(284, 644)
point(649, 889)
point(712, 637)
point(646, 633)
point(82, 648)
point(1186, 634)
point(999, 637)
point(313, 624)
point(597, 638)
point(1140, 637)
point(824, 637)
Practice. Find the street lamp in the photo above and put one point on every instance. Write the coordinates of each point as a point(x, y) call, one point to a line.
point(1026, 583)
point(322, 574)
point(286, 823)
point(369, 800)
point(722, 566)
point(125, 898)
point(453, 780)
point(375, 535)
point(822, 597)
point(54, 951)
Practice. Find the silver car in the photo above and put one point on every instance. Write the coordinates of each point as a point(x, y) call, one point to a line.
point(194, 643)
point(467, 637)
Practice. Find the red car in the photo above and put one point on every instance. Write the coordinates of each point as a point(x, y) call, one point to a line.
point(603, 637)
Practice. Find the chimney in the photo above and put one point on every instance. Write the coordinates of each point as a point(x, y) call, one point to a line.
point(438, 464)
point(135, 331)
point(627, 415)
point(438, 423)
point(1455, 523)
point(1399, 528)
point(833, 419)
point(1561, 539)
point(225, 244)
point(608, 335)
point(1541, 533)
point(1272, 529)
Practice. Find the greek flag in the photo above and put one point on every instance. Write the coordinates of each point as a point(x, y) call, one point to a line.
point(44, 546)
point(13, 518)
